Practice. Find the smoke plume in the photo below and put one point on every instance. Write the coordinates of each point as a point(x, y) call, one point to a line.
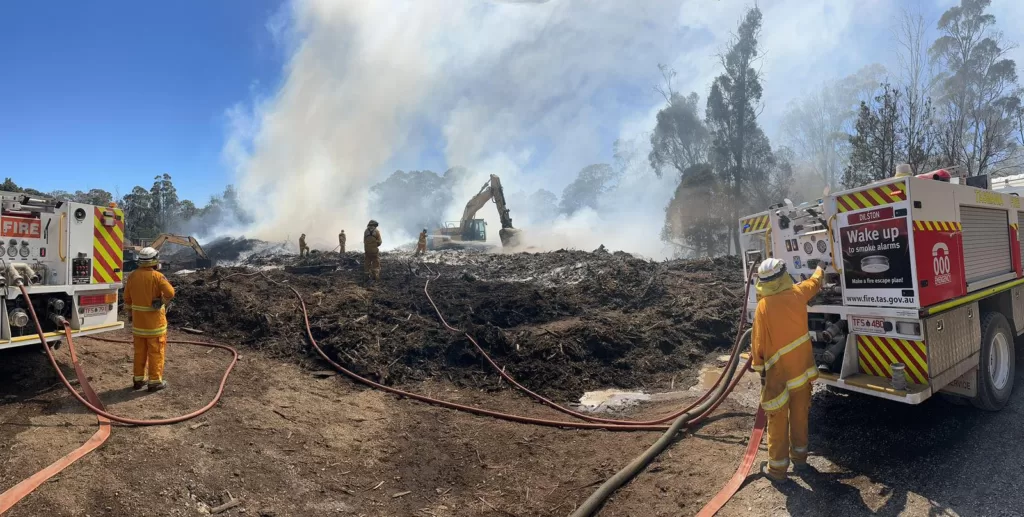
point(530, 90)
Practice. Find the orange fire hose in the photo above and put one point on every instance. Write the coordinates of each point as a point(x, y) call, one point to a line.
point(18, 492)
point(734, 484)
point(93, 403)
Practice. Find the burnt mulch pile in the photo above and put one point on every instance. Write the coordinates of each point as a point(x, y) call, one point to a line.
point(561, 322)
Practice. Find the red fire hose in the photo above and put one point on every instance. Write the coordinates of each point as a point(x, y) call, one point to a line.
point(447, 404)
point(93, 403)
point(729, 368)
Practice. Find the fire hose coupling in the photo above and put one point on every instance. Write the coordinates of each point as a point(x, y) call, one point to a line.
point(834, 331)
point(19, 273)
point(899, 376)
point(18, 318)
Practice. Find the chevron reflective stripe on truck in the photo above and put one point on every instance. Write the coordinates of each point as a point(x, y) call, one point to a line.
point(872, 197)
point(876, 355)
point(107, 247)
point(937, 226)
point(755, 224)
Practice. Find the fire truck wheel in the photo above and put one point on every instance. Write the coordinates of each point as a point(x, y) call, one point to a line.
point(996, 363)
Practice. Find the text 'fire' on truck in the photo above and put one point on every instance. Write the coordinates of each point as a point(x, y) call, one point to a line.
point(69, 256)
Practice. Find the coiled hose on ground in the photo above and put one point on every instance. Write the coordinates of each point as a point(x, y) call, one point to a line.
point(91, 401)
point(102, 412)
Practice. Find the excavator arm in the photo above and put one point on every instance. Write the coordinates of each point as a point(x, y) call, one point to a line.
point(499, 199)
point(477, 202)
point(188, 242)
point(491, 190)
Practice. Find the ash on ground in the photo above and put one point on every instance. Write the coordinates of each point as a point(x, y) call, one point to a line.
point(562, 322)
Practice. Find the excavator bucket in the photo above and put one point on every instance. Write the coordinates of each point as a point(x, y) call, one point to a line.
point(202, 263)
point(510, 237)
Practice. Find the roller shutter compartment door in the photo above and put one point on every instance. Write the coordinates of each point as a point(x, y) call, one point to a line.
point(1020, 238)
point(986, 238)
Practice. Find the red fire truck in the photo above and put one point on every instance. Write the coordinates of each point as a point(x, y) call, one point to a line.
point(924, 280)
point(69, 257)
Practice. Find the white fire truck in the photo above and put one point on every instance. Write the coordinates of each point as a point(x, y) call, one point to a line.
point(925, 280)
point(69, 256)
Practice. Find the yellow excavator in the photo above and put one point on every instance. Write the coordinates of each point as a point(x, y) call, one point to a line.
point(131, 252)
point(459, 234)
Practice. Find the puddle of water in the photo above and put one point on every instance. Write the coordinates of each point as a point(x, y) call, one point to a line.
point(610, 399)
point(747, 393)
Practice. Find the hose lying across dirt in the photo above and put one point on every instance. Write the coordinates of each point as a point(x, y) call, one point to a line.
point(447, 404)
point(92, 402)
point(597, 499)
point(727, 374)
point(100, 411)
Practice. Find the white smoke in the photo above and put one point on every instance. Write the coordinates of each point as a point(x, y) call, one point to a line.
point(530, 90)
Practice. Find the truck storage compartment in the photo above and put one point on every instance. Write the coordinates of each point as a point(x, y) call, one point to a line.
point(986, 241)
point(1020, 239)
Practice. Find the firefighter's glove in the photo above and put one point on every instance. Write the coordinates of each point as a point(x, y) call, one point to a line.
point(157, 304)
point(762, 381)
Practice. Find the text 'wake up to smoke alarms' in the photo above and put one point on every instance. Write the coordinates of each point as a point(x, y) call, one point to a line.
point(872, 237)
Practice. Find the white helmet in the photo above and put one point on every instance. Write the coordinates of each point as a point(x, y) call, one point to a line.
point(148, 256)
point(771, 269)
point(903, 170)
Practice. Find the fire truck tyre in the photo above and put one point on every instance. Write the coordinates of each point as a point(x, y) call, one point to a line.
point(996, 367)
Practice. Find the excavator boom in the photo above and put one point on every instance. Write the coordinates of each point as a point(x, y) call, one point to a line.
point(202, 259)
point(181, 240)
point(469, 228)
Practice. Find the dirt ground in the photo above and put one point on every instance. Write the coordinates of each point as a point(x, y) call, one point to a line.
point(287, 442)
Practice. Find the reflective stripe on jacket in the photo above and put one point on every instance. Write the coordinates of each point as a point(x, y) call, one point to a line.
point(144, 286)
point(781, 344)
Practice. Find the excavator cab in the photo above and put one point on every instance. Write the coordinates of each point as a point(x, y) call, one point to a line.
point(474, 230)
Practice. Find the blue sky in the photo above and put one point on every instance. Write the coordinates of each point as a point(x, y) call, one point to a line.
point(108, 94)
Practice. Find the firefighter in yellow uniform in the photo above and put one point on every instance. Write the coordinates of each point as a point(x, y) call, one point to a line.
point(421, 245)
point(371, 245)
point(147, 293)
point(782, 355)
point(303, 249)
point(341, 242)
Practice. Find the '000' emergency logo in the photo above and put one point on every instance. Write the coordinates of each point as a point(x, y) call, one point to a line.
point(940, 264)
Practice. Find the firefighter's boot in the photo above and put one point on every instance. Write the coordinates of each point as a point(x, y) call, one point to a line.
point(157, 386)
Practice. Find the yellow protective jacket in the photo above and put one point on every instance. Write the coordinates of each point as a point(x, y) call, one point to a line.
point(423, 239)
point(781, 344)
point(341, 239)
point(372, 240)
point(146, 285)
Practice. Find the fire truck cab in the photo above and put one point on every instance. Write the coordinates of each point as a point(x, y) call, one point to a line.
point(68, 255)
point(924, 291)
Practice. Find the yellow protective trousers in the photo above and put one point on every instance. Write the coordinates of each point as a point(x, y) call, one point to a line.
point(150, 352)
point(787, 433)
point(372, 264)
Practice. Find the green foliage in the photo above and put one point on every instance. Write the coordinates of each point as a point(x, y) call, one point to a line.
point(585, 191)
point(680, 139)
point(740, 152)
point(978, 100)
